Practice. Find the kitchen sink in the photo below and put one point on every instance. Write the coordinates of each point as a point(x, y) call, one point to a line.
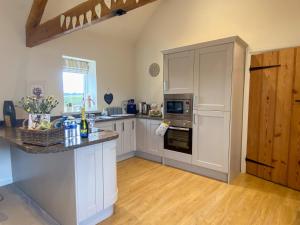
point(122, 115)
point(103, 117)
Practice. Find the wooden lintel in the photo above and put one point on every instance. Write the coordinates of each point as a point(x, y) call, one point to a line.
point(52, 29)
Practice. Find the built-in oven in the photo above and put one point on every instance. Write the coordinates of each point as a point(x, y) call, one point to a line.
point(178, 139)
point(179, 114)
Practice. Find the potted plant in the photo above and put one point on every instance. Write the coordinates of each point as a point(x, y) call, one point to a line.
point(39, 109)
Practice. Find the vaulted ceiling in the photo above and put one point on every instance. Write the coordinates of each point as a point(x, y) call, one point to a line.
point(127, 27)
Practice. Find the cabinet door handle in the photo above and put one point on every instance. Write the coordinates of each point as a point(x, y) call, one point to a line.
point(123, 126)
point(297, 101)
point(166, 85)
point(115, 127)
point(194, 118)
point(195, 103)
point(132, 125)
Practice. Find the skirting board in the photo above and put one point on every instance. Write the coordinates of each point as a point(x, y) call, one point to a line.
point(148, 156)
point(6, 181)
point(197, 170)
point(42, 213)
point(125, 156)
point(103, 215)
point(180, 165)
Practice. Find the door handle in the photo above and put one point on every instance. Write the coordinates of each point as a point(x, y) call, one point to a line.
point(123, 125)
point(297, 101)
point(132, 125)
point(195, 100)
point(179, 128)
point(115, 127)
point(194, 119)
point(166, 85)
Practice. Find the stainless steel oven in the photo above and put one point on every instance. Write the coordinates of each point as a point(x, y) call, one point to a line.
point(179, 139)
point(179, 113)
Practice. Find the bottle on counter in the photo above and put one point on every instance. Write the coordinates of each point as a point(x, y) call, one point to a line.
point(84, 127)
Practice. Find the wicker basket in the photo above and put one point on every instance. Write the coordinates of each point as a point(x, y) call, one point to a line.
point(42, 138)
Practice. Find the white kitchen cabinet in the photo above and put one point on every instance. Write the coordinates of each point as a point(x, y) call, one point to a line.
point(146, 139)
point(154, 142)
point(179, 72)
point(126, 142)
point(118, 127)
point(213, 71)
point(89, 181)
point(141, 134)
point(211, 140)
point(96, 179)
point(110, 189)
point(129, 136)
point(218, 88)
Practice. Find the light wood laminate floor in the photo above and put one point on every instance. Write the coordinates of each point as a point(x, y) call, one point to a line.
point(152, 194)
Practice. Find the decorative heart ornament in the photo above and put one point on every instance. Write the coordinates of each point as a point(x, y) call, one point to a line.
point(68, 21)
point(81, 20)
point(89, 16)
point(108, 98)
point(74, 21)
point(108, 3)
point(62, 20)
point(98, 10)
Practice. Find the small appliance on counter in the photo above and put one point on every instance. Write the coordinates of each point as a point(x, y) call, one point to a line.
point(155, 111)
point(131, 107)
point(146, 108)
point(9, 114)
point(141, 106)
point(114, 111)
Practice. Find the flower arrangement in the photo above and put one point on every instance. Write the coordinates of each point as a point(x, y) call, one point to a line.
point(38, 105)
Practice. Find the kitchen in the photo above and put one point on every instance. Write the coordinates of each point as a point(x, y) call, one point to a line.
point(123, 49)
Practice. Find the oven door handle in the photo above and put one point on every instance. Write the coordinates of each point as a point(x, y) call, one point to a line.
point(179, 128)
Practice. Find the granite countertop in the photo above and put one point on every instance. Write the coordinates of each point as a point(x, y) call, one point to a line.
point(72, 140)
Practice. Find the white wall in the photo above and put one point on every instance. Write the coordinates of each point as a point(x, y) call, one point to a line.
point(21, 66)
point(263, 24)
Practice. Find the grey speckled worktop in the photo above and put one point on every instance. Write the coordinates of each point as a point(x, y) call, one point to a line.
point(72, 141)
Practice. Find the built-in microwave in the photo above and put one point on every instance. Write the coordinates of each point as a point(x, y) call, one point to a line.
point(178, 106)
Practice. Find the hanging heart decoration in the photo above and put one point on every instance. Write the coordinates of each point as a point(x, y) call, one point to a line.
point(74, 21)
point(68, 21)
point(98, 10)
point(89, 16)
point(62, 20)
point(108, 3)
point(108, 98)
point(81, 20)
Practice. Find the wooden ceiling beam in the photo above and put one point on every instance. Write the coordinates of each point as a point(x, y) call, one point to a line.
point(52, 29)
point(36, 13)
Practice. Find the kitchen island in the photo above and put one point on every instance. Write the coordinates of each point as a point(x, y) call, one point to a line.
point(72, 183)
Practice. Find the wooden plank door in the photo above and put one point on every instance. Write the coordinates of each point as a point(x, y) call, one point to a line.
point(270, 109)
point(294, 156)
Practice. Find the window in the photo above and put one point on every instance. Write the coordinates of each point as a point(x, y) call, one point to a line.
point(79, 84)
